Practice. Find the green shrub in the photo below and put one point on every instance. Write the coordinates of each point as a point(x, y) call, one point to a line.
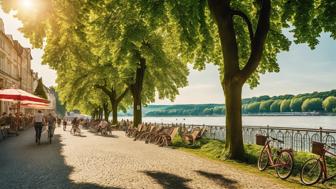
point(253, 107)
point(329, 104)
point(265, 106)
point(295, 104)
point(275, 107)
point(177, 141)
point(285, 106)
point(312, 105)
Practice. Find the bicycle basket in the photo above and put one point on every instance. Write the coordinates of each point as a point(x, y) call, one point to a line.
point(317, 148)
point(261, 139)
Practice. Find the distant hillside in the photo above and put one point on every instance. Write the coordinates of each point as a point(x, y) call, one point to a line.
point(308, 102)
point(186, 110)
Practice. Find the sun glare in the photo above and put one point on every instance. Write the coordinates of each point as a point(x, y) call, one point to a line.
point(27, 4)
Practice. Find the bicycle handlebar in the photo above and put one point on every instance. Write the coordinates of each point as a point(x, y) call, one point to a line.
point(275, 139)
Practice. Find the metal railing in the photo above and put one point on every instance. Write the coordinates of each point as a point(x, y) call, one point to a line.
point(298, 139)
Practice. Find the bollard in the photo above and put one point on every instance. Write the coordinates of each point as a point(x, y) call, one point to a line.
point(320, 134)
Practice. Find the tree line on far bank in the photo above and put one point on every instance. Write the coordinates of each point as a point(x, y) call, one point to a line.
point(309, 102)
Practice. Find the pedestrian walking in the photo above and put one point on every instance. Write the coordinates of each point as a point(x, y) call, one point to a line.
point(64, 124)
point(59, 120)
point(51, 121)
point(38, 123)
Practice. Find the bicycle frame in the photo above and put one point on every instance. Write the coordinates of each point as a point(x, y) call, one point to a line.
point(270, 155)
point(324, 166)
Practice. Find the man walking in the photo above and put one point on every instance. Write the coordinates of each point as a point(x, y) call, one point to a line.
point(38, 123)
point(51, 120)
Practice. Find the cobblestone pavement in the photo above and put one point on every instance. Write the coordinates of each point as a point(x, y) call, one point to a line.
point(92, 161)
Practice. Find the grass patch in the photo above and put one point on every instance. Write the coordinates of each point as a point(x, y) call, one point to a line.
point(214, 149)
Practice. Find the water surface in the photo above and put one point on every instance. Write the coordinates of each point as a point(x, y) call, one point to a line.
point(326, 122)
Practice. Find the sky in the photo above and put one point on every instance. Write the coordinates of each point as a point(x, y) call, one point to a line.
point(302, 70)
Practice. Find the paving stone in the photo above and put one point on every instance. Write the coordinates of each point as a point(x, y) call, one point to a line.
point(93, 161)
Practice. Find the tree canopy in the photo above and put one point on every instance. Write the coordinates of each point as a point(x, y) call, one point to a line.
point(242, 38)
point(107, 46)
point(39, 91)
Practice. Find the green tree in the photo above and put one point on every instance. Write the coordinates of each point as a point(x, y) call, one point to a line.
point(245, 42)
point(285, 106)
point(145, 52)
point(253, 107)
point(265, 106)
point(60, 108)
point(208, 111)
point(39, 91)
point(244, 108)
point(275, 106)
point(295, 104)
point(312, 105)
point(219, 110)
point(329, 104)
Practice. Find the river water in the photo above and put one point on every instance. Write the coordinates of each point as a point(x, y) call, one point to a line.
point(326, 122)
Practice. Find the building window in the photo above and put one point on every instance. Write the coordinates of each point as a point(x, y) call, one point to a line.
point(2, 83)
point(2, 62)
point(1, 43)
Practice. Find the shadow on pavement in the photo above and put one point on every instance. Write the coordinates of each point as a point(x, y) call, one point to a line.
point(83, 136)
point(219, 179)
point(167, 180)
point(108, 136)
point(24, 164)
point(97, 134)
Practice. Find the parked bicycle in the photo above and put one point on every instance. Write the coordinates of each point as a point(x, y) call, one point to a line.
point(282, 160)
point(315, 169)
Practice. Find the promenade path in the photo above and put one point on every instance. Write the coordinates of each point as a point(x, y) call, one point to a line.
point(93, 161)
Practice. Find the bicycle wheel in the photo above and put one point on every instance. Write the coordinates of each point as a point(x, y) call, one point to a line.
point(284, 164)
point(311, 172)
point(263, 160)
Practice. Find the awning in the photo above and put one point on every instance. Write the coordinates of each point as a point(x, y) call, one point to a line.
point(36, 106)
point(20, 96)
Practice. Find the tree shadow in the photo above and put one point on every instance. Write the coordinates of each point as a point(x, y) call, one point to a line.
point(219, 179)
point(108, 136)
point(24, 164)
point(168, 180)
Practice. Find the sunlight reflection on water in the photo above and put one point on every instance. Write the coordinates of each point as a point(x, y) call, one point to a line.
point(326, 122)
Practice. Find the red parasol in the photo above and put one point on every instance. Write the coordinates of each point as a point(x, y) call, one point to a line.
point(20, 96)
point(36, 106)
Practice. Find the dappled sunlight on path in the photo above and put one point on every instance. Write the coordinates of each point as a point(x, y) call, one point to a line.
point(93, 161)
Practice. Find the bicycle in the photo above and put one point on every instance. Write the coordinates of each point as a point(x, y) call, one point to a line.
point(282, 160)
point(315, 169)
point(75, 130)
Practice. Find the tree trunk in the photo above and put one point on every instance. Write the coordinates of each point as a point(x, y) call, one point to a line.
point(231, 85)
point(137, 108)
point(106, 112)
point(100, 113)
point(114, 112)
point(234, 137)
point(136, 90)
